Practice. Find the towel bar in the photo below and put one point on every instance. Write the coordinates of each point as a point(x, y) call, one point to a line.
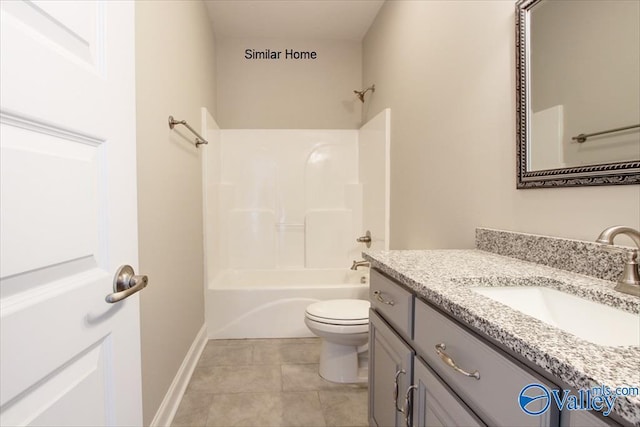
point(199, 140)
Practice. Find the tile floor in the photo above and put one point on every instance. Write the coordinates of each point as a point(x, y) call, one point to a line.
point(268, 382)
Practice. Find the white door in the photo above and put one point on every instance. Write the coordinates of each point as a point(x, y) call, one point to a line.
point(68, 214)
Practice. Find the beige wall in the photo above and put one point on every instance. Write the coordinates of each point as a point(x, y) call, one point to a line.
point(288, 94)
point(175, 68)
point(446, 70)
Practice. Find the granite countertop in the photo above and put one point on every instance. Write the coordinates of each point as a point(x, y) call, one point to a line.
point(444, 278)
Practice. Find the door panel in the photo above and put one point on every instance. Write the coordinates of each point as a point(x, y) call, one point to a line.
point(54, 400)
point(55, 205)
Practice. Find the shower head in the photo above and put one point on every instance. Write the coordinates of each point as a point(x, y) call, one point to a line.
point(360, 93)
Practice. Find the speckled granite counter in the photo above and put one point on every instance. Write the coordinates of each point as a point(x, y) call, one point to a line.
point(444, 278)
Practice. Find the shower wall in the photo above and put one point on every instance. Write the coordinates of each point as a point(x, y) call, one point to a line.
point(211, 169)
point(289, 199)
point(374, 165)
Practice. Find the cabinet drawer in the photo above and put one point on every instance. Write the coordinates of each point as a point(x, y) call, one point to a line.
point(393, 302)
point(494, 396)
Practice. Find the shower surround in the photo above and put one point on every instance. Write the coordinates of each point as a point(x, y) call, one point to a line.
point(283, 211)
point(289, 198)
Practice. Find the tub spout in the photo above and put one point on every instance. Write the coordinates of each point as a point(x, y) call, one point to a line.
point(357, 264)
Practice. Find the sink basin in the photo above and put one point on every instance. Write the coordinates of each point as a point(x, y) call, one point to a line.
point(594, 322)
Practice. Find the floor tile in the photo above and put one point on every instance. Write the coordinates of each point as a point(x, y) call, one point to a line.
point(289, 353)
point(344, 408)
point(193, 410)
point(305, 377)
point(299, 409)
point(267, 341)
point(302, 409)
point(227, 354)
point(244, 409)
point(228, 342)
point(236, 379)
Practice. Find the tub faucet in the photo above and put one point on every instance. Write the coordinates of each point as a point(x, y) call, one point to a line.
point(357, 264)
point(629, 281)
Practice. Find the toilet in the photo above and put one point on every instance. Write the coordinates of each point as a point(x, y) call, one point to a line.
point(343, 325)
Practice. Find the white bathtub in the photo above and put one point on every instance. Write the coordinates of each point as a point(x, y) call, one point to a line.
point(271, 303)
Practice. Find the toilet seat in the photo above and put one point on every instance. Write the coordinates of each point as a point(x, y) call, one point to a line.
point(336, 329)
point(342, 312)
point(338, 322)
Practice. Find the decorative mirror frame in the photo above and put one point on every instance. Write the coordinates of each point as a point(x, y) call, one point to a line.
point(601, 174)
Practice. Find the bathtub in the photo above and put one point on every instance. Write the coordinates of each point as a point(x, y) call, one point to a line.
point(271, 303)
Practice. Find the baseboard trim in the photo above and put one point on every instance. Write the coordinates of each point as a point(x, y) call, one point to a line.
point(169, 406)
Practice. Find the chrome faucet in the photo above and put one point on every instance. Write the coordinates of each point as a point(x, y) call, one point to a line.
point(357, 264)
point(629, 281)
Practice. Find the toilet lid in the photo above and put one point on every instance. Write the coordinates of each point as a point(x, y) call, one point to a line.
point(351, 311)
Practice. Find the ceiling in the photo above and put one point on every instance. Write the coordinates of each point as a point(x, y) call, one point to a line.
point(307, 19)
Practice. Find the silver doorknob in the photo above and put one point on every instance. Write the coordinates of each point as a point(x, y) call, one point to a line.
point(126, 283)
point(365, 239)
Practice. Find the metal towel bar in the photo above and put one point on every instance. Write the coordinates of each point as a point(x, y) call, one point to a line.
point(199, 140)
point(583, 136)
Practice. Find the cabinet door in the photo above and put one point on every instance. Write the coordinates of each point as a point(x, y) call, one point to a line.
point(584, 419)
point(434, 404)
point(390, 359)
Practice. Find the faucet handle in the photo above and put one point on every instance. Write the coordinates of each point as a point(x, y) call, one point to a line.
point(629, 281)
point(365, 239)
point(620, 249)
point(632, 255)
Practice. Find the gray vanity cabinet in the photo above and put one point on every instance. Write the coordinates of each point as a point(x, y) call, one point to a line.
point(412, 370)
point(390, 373)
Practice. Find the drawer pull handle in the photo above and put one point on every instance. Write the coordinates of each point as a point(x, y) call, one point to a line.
point(449, 361)
point(408, 406)
point(395, 390)
point(378, 295)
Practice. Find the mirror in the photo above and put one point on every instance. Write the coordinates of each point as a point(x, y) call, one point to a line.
point(578, 92)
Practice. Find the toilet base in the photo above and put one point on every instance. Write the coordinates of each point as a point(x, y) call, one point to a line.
point(343, 364)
